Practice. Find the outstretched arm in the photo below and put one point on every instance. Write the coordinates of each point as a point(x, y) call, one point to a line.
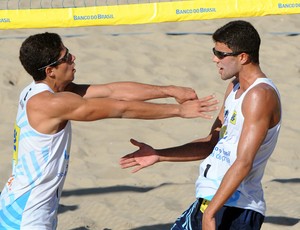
point(131, 91)
point(65, 106)
point(199, 149)
point(146, 155)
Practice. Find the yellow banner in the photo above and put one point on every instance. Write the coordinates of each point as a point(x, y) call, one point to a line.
point(144, 13)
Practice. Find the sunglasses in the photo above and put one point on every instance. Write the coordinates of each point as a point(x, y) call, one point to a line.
point(221, 55)
point(66, 58)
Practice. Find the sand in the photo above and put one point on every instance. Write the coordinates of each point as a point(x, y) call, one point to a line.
point(98, 194)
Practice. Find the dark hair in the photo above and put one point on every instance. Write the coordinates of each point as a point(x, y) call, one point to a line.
point(40, 50)
point(240, 36)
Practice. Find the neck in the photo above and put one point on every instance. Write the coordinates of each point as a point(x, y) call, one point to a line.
point(53, 85)
point(248, 76)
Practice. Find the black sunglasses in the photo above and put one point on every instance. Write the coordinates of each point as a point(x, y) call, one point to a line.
point(66, 58)
point(221, 55)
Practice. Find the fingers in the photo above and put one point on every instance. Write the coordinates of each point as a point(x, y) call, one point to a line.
point(129, 161)
point(128, 164)
point(209, 106)
point(206, 116)
point(136, 169)
point(136, 143)
point(199, 108)
point(207, 98)
point(207, 103)
point(185, 94)
point(192, 94)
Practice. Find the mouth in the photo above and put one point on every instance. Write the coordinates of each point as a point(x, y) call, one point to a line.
point(220, 69)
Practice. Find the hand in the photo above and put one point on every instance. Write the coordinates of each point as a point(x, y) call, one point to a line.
point(141, 158)
point(208, 222)
point(197, 108)
point(182, 94)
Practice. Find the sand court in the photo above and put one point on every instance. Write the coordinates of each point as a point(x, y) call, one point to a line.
point(98, 194)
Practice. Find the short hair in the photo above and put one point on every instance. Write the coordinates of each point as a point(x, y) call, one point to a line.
point(40, 50)
point(240, 36)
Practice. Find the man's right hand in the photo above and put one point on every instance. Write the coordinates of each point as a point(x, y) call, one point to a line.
point(142, 158)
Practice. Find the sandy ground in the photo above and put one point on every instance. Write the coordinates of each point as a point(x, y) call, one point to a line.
point(98, 194)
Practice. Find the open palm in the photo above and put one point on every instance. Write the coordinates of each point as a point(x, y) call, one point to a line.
point(142, 158)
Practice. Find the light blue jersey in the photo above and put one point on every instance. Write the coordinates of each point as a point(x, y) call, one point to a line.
point(249, 194)
point(31, 196)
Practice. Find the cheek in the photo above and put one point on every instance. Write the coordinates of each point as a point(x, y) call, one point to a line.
point(66, 70)
point(229, 70)
point(65, 73)
point(230, 65)
point(233, 70)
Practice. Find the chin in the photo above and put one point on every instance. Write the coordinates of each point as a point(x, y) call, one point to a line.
point(224, 78)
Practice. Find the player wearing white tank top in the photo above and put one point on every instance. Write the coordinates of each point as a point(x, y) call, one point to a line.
point(30, 199)
point(249, 194)
point(42, 132)
point(242, 138)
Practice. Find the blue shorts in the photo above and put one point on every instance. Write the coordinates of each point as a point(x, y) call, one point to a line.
point(227, 218)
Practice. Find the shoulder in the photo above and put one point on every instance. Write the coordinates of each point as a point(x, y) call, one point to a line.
point(49, 100)
point(262, 101)
point(41, 100)
point(262, 92)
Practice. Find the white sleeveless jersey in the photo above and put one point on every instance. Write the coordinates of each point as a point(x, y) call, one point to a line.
point(249, 194)
point(31, 196)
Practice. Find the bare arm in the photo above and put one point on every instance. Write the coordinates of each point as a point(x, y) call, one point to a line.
point(65, 106)
point(100, 108)
point(199, 149)
point(259, 117)
point(146, 156)
point(131, 91)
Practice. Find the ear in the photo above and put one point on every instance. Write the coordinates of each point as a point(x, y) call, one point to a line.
point(49, 71)
point(244, 57)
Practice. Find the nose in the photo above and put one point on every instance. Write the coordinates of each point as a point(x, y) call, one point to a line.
point(73, 57)
point(214, 58)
